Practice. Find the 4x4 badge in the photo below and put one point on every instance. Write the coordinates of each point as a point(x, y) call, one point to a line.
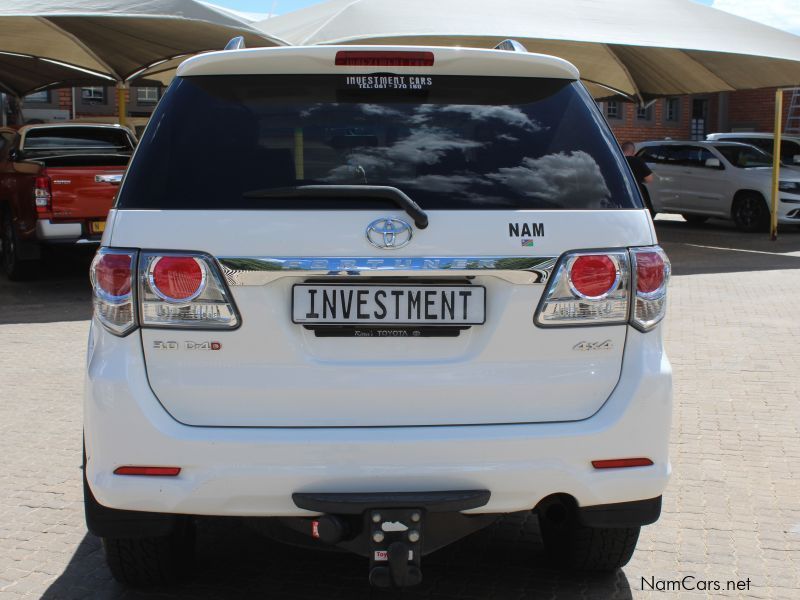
point(389, 233)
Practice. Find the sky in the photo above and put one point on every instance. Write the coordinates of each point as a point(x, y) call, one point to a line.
point(784, 14)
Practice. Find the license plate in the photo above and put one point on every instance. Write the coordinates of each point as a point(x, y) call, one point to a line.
point(97, 226)
point(388, 304)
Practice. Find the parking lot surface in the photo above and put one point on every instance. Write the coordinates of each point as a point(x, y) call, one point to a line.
point(731, 514)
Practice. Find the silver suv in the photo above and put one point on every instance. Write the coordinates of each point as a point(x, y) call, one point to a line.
point(727, 180)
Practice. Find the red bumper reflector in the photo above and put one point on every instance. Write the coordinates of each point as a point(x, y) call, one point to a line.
point(621, 463)
point(383, 58)
point(151, 471)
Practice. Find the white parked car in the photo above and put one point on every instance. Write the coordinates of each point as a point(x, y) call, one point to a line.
point(376, 298)
point(790, 145)
point(728, 180)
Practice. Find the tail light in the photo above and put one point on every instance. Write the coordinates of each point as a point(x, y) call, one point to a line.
point(587, 288)
point(184, 290)
point(112, 280)
point(607, 288)
point(178, 290)
point(43, 194)
point(651, 272)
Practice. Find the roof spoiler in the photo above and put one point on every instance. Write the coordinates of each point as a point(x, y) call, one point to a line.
point(236, 43)
point(511, 46)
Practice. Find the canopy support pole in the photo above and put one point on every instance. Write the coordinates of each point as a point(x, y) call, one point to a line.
point(122, 109)
point(299, 159)
point(776, 165)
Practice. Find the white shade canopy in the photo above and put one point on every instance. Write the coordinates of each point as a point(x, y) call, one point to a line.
point(643, 48)
point(117, 38)
point(20, 74)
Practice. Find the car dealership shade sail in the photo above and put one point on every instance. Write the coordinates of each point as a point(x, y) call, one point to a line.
point(115, 38)
point(21, 74)
point(641, 48)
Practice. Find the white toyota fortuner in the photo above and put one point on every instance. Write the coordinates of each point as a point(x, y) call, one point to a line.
point(376, 298)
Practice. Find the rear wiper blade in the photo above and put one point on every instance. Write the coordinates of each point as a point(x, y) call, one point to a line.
point(383, 192)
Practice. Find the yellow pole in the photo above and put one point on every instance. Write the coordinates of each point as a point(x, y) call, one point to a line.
point(121, 108)
point(299, 159)
point(776, 164)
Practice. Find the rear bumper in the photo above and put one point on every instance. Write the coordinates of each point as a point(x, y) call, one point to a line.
point(63, 233)
point(254, 471)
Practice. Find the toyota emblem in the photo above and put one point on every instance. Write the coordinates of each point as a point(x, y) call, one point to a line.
point(389, 233)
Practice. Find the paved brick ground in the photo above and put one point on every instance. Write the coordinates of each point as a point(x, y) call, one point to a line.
point(732, 511)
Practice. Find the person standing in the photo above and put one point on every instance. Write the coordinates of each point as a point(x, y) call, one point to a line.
point(640, 169)
point(641, 172)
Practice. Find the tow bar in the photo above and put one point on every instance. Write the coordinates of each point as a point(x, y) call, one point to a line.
point(394, 530)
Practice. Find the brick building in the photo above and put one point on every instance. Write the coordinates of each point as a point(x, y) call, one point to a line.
point(693, 117)
point(92, 102)
point(679, 117)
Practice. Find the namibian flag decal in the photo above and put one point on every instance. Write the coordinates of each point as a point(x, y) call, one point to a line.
point(527, 243)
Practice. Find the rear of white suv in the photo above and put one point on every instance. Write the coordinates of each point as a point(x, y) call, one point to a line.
point(381, 296)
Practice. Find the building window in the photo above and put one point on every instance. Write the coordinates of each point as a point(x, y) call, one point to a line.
point(613, 110)
point(147, 95)
point(644, 113)
point(93, 95)
point(42, 97)
point(672, 109)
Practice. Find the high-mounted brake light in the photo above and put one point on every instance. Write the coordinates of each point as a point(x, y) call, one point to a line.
point(43, 194)
point(184, 290)
point(383, 58)
point(111, 274)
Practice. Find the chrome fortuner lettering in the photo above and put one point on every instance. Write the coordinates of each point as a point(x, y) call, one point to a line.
point(262, 269)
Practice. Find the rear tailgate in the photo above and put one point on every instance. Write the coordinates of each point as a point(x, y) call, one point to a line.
point(85, 164)
point(84, 192)
point(512, 171)
point(272, 372)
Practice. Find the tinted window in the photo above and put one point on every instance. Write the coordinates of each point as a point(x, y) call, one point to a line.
point(789, 149)
point(448, 142)
point(673, 154)
point(745, 157)
point(697, 157)
point(52, 141)
point(656, 154)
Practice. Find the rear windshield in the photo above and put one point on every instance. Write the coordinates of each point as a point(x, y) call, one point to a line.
point(447, 142)
point(48, 141)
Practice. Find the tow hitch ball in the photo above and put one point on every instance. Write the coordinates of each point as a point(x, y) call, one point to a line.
point(395, 543)
point(390, 527)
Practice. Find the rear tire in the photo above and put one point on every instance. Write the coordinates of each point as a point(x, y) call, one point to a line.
point(695, 219)
point(750, 213)
point(151, 561)
point(595, 549)
point(13, 266)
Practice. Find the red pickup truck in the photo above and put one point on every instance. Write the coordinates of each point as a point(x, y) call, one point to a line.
point(57, 183)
